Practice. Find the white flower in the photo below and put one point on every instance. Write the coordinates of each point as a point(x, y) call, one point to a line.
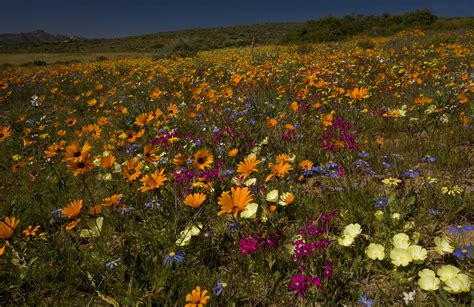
point(409, 296)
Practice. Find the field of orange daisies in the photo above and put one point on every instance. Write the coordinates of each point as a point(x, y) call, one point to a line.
point(337, 175)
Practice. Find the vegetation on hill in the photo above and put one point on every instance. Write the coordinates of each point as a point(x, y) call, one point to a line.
point(313, 31)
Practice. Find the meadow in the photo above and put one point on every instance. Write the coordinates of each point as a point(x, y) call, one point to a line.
point(338, 173)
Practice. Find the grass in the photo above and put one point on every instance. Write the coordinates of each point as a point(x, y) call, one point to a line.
point(55, 58)
point(373, 133)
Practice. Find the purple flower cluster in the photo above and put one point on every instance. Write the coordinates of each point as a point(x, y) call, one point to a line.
point(338, 137)
point(251, 244)
point(300, 283)
point(304, 247)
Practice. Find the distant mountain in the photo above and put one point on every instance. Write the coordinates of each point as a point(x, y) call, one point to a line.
point(38, 36)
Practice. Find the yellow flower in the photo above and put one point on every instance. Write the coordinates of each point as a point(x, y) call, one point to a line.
point(429, 282)
point(352, 230)
point(391, 181)
point(375, 251)
point(400, 256)
point(417, 253)
point(459, 283)
point(443, 245)
point(197, 298)
point(447, 272)
point(250, 211)
point(272, 196)
point(401, 240)
point(345, 240)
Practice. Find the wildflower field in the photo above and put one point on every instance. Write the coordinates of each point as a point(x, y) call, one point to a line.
point(338, 174)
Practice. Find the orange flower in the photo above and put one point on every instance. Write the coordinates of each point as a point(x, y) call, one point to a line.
point(153, 181)
point(248, 166)
point(195, 200)
point(31, 232)
point(131, 169)
point(279, 170)
point(150, 153)
point(95, 210)
point(197, 298)
point(107, 161)
point(179, 160)
point(81, 166)
point(306, 165)
point(233, 152)
point(7, 227)
point(75, 152)
point(234, 202)
point(326, 121)
point(271, 122)
point(358, 93)
point(71, 225)
point(172, 110)
point(73, 209)
point(5, 132)
point(203, 159)
point(114, 200)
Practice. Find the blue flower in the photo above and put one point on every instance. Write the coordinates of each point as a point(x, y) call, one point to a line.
point(459, 229)
point(113, 264)
point(173, 257)
point(463, 252)
point(380, 203)
point(362, 163)
point(363, 154)
point(411, 173)
point(56, 213)
point(207, 234)
point(428, 159)
point(364, 300)
point(219, 288)
point(152, 204)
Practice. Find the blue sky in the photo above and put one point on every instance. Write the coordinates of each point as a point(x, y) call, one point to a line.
point(107, 18)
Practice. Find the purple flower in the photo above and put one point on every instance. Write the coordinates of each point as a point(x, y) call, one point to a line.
point(298, 284)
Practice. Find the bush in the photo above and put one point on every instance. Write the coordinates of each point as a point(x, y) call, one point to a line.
point(101, 58)
point(39, 63)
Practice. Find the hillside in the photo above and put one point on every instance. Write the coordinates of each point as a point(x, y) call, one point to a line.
point(312, 31)
point(34, 37)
